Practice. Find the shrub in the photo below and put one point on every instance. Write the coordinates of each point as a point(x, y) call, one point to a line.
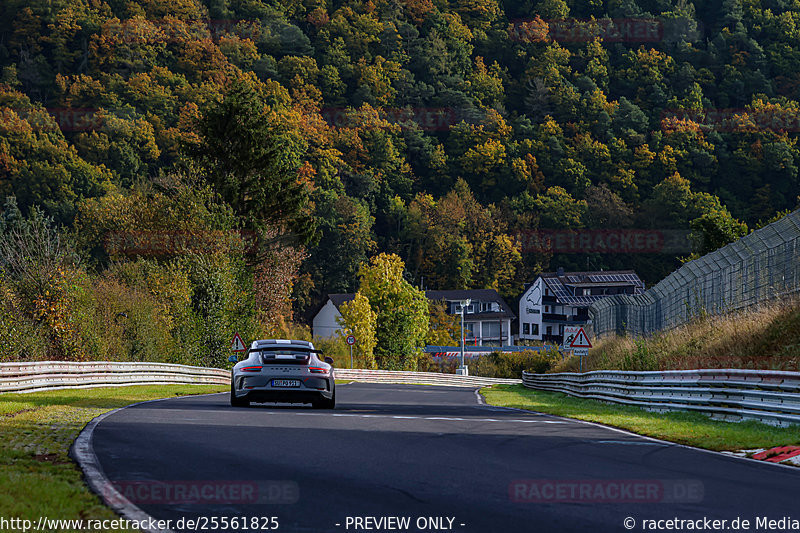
point(336, 348)
point(20, 338)
point(511, 364)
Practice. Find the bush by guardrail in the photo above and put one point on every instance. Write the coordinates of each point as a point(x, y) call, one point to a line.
point(768, 396)
point(43, 375)
point(757, 268)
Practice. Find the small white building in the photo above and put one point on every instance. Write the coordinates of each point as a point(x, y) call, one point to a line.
point(325, 322)
point(487, 319)
point(558, 299)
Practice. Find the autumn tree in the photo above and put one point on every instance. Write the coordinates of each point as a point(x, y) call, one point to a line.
point(360, 320)
point(252, 163)
point(401, 322)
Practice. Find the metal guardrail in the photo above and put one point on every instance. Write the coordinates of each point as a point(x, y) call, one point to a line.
point(44, 375)
point(430, 378)
point(768, 396)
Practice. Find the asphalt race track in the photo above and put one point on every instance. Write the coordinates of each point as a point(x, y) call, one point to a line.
point(431, 454)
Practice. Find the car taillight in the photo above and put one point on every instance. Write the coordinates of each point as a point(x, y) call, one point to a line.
point(317, 370)
point(251, 369)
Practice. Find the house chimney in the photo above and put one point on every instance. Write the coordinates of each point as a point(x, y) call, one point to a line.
point(560, 271)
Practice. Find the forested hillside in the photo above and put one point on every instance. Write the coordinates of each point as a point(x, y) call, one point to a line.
point(433, 129)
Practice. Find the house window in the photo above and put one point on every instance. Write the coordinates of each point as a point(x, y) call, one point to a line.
point(491, 330)
point(526, 329)
point(549, 330)
point(587, 292)
point(469, 331)
point(534, 329)
point(547, 292)
point(546, 308)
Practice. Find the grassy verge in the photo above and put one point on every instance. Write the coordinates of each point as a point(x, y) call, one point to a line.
point(765, 338)
point(37, 478)
point(693, 429)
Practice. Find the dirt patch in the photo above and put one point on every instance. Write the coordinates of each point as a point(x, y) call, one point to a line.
point(15, 413)
point(52, 458)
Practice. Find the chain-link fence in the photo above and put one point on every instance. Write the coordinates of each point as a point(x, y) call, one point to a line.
point(757, 268)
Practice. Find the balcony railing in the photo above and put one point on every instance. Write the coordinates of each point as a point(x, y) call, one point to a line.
point(578, 319)
point(572, 319)
point(552, 338)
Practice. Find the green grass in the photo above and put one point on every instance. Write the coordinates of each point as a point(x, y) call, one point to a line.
point(37, 478)
point(693, 429)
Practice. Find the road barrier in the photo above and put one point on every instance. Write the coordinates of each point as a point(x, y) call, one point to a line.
point(44, 375)
point(430, 378)
point(730, 394)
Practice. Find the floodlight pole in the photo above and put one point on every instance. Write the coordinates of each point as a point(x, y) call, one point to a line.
point(462, 336)
point(464, 304)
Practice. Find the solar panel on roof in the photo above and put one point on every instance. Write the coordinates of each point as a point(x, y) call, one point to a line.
point(573, 279)
point(558, 288)
point(613, 278)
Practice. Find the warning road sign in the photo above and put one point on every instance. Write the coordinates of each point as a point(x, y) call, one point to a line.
point(569, 336)
point(237, 344)
point(581, 340)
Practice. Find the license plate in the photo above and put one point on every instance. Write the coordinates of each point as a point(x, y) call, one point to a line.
point(285, 383)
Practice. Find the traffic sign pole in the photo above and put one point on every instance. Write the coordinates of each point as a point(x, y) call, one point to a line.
point(237, 344)
point(580, 346)
point(350, 340)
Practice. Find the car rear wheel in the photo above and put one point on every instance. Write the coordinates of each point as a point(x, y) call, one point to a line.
point(324, 403)
point(238, 402)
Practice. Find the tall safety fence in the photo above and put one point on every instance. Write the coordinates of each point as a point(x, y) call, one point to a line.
point(757, 268)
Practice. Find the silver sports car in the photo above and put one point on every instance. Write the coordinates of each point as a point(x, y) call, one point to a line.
point(278, 370)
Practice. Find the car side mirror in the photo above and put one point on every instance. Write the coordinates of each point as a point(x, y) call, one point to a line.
point(329, 360)
point(233, 359)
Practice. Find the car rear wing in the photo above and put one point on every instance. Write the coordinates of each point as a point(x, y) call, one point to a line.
point(293, 359)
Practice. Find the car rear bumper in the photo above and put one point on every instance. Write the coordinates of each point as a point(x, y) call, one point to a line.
point(284, 396)
point(260, 389)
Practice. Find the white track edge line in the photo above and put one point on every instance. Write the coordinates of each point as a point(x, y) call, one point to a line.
point(654, 439)
point(83, 453)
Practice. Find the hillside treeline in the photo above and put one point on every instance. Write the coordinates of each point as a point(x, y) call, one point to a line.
point(224, 164)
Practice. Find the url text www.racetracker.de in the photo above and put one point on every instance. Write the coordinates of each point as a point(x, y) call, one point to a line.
point(201, 523)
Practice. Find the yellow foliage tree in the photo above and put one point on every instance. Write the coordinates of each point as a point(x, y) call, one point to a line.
point(358, 319)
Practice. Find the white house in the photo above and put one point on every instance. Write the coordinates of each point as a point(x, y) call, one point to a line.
point(325, 321)
point(487, 320)
point(558, 299)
